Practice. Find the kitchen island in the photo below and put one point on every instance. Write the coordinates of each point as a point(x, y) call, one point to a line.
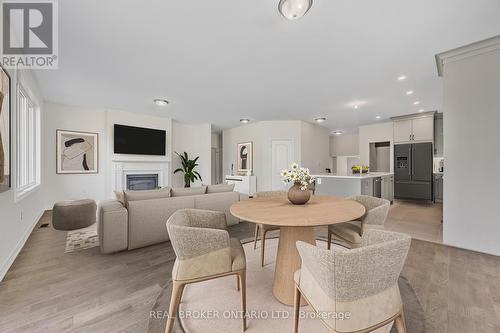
point(377, 184)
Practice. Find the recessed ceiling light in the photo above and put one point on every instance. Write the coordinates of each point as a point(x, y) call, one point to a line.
point(244, 120)
point(409, 92)
point(160, 101)
point(416, 103)
point(401, 77)
point(337, 132)
point(356, 106)
point(378, 117)
point(320, 120)
point(421, 110)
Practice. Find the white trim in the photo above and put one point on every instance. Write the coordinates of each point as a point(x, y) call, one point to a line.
point(19, 246)
point(22, 192)
point(471, 50)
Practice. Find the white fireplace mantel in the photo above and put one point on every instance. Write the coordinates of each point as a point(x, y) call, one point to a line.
point(121, 169)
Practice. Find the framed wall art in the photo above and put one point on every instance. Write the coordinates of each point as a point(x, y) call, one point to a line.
point(5, 131)
point(245, 158)
point(77, 152)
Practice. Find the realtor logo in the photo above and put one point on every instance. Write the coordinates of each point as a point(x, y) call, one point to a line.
point(29, 34)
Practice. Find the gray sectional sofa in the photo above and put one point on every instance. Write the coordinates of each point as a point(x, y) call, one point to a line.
point(138, 218)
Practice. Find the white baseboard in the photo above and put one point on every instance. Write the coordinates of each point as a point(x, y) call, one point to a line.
point(19, 246)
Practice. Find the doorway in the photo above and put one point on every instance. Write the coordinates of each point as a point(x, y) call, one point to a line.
point(282, 158)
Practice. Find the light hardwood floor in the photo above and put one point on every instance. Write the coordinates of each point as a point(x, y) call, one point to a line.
point(47, 290)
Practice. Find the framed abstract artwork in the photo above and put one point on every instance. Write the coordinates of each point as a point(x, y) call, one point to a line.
point(245, 158)
point(77, 152)
point(5, 131)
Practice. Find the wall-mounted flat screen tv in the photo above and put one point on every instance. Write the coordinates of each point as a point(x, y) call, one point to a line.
point(139, 141)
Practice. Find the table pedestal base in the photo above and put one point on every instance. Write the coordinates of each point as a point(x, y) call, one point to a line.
point(288, 261)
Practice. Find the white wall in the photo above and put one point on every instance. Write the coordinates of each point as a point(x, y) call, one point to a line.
point(261, 134)
point(96, 186)
point(472, 153)
point(375, 133)
point(315, 147)
point(74, 186)
point(344, 144)
point(17, 219)
point(196, 140)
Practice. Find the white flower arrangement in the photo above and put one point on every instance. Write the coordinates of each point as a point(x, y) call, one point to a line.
point(298, 176)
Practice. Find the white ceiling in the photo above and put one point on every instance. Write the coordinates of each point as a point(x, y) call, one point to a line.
point(221, 60)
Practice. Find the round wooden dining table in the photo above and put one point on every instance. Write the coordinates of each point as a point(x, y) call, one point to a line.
point(296, 223)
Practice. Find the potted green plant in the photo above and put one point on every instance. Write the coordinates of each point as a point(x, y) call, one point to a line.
point(188, 168)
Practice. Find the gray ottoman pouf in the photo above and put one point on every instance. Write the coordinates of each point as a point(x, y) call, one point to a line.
point(74, 214)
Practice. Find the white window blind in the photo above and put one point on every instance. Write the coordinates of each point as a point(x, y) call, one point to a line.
point(28, 143)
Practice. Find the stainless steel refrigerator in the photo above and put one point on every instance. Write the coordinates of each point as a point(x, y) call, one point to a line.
point(413, 171)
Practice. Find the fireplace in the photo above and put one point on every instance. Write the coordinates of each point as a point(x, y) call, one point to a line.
point(140, 182)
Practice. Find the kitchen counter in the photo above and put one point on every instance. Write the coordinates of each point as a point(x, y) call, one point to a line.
point(345, 185)
point(354, 176)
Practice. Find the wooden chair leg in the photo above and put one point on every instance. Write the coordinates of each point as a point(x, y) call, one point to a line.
point(400, 323)
point(243, 284)
point(262, 246)
point(256, 236)
point(296, 309)
point(175, 299)
point(329, 239)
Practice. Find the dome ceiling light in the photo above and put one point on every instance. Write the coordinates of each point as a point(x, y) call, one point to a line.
point(294, 9)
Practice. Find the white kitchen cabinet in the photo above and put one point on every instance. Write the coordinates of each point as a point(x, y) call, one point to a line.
point(402, 130)
point(417, 129)
point(423, 129)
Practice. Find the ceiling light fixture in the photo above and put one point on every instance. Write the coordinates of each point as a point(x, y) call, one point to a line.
point(378, 117)
point(421, 110)
point(401, 77)
point(416, 103)
point(337, 132)
point(356, 106)
point(409, 92)
point(320, 120)
point(160, 102)
point(294, 9)
point(244, 120)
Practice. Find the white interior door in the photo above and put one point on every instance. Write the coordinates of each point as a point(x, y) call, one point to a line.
point(282, 157)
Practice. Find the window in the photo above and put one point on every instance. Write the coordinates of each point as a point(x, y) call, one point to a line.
point(28, 144)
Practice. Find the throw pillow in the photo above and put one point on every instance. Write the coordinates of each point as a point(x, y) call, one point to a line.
point(220, 188)
point(187, 191)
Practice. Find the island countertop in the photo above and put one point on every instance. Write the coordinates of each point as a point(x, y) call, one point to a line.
point(354, 176)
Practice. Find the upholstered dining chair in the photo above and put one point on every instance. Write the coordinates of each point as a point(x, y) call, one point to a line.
point(204, 251)
point(354, 290)
point(265, 228)
point(352, 232)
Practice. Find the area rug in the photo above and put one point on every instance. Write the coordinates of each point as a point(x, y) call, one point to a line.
point(212, 306)
point(82, 239)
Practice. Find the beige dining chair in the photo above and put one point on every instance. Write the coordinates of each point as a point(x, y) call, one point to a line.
point(354, 290)
point(265, 228)
point(352, 232)
point(204, 251)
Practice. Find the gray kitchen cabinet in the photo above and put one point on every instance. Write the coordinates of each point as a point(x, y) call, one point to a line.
point(438, 188)
point(388, 188)
point(438, 135)
point(367, 186)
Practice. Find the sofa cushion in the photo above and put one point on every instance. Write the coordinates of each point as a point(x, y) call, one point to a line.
point(147, 195)
point(147, 219)
point(187, 191)
point(220, 202)
point(220, 188)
